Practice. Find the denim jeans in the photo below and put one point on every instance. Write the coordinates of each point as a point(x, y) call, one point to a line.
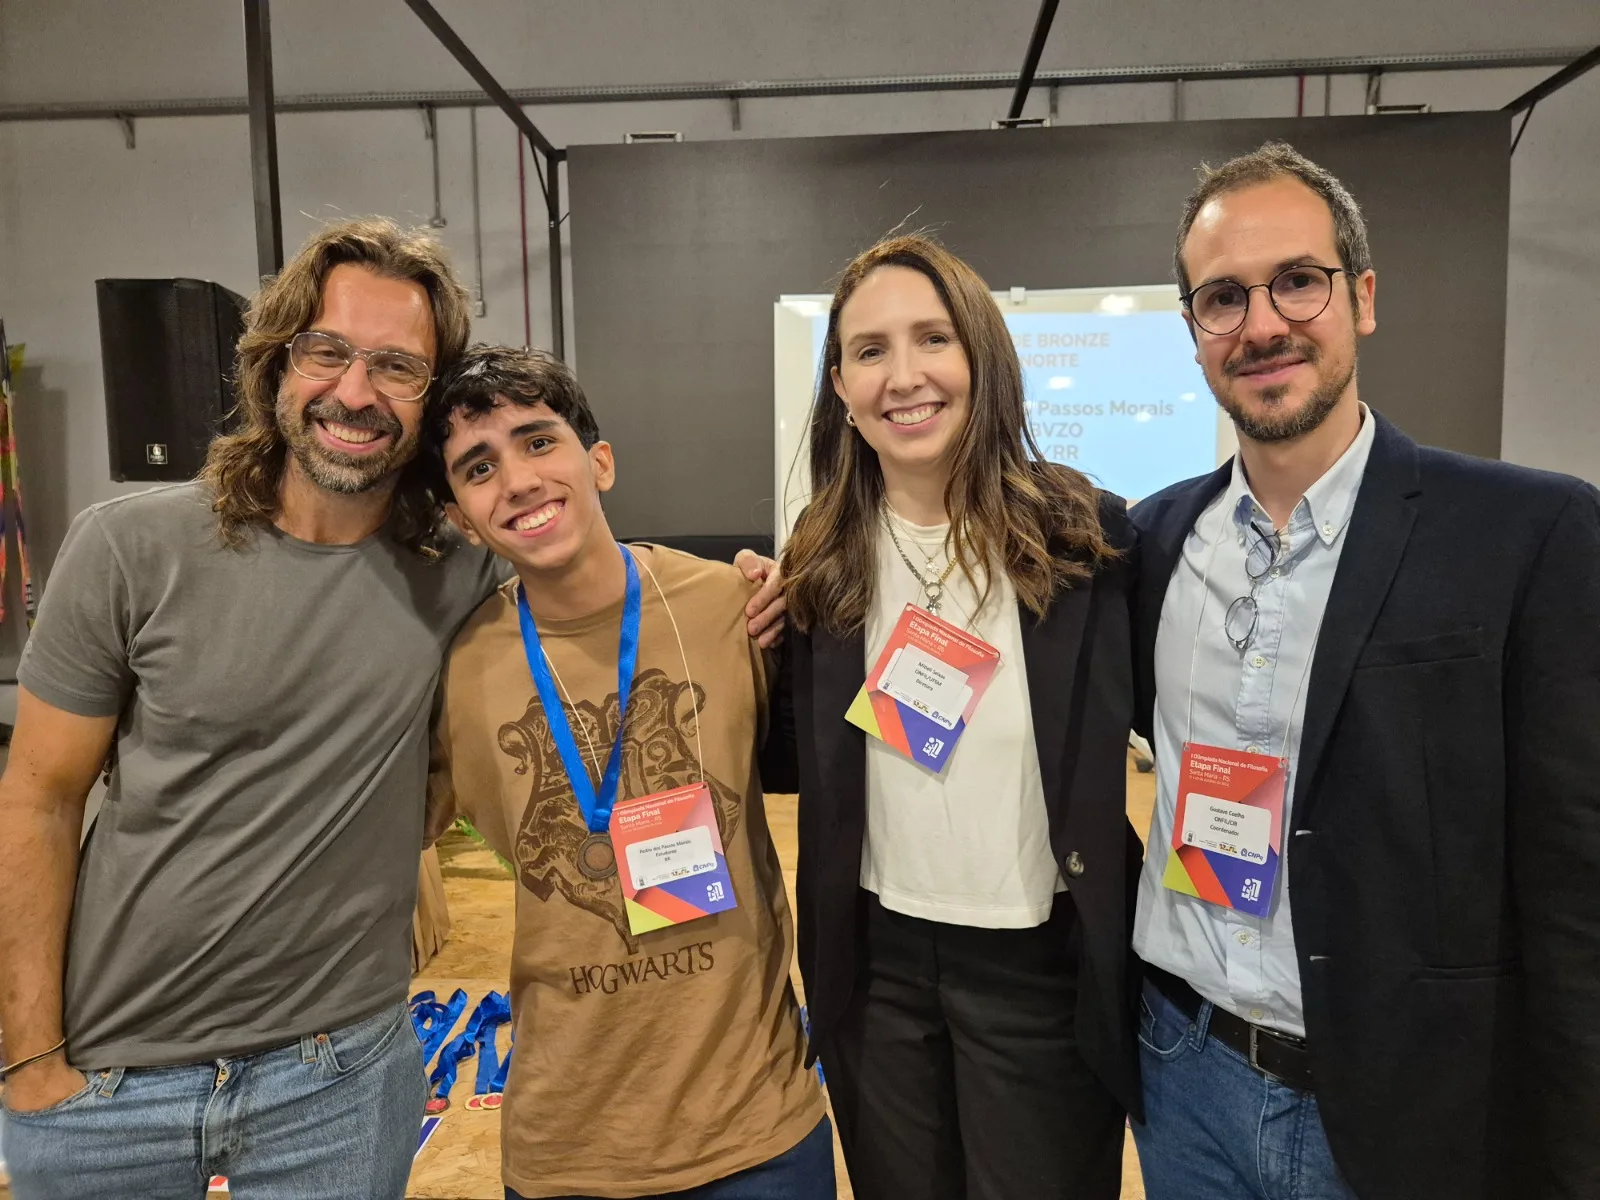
point(334, 1117)
point(1214, 1128)
point(804, 1173)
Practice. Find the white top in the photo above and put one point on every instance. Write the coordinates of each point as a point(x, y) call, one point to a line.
point(970, 846)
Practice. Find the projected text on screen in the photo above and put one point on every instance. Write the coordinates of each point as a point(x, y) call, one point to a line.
point(1109, 375)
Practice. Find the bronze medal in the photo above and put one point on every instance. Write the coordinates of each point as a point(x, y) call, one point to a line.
point(596, 858)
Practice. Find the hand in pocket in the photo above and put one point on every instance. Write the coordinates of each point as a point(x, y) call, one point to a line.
point(43, 1085)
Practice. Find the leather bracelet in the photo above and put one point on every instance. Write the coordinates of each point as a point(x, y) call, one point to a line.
point(12, 1068)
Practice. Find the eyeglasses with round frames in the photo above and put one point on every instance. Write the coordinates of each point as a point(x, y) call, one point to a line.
point(1299, 294)
point(325, 356)
point(1264, 553)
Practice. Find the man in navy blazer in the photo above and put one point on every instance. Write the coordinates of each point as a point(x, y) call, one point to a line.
point(1404, 644)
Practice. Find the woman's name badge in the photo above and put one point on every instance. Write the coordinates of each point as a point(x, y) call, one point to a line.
point(921, 693)
point(670, 858)
point(1227, 834)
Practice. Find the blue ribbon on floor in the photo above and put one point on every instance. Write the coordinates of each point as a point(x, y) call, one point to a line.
point(433, 1021)
point(444, 1072)
point(493, 1011)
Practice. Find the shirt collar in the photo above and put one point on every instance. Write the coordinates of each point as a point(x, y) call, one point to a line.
point(1327, 504)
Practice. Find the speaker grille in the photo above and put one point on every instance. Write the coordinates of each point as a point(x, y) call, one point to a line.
point(167, 350)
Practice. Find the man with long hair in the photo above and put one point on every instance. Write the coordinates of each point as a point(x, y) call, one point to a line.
point(217, 983)
point(1370, 674)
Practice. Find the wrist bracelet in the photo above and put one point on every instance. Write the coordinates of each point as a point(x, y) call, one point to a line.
point(13, 1068)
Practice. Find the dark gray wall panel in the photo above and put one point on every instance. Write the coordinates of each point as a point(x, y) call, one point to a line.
point(679, 252)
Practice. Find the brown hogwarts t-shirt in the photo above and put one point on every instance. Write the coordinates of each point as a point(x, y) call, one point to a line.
point(644, 1063)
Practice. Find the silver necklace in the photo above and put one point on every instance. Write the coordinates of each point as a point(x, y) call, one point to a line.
point(932, 585)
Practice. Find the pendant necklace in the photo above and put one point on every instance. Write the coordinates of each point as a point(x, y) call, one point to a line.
point(932, 585)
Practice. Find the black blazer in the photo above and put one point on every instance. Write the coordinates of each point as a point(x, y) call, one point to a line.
point(1080, 685)
point(1444, 845)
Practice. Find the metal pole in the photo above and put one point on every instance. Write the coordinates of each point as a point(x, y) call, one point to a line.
point(430, 130)
point(263, 136)
point(452, 42)
point(558, 331)
point(1030, 64)
point(479, 308)
point(1557, 81)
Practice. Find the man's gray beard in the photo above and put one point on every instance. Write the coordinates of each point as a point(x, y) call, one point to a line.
point(345, 479)
point(1322, 401)
point(322, 466)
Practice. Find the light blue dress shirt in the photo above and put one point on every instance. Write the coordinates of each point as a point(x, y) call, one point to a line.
point(1251, 700)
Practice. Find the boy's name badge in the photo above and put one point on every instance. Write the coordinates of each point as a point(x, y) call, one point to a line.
point(670, 859)
point(1227, 833)
point(920, 695)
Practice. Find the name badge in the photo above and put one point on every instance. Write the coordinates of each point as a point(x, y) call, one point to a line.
point(934, 688)
point(1228, 830)
point(920, 695)
point(670, 858)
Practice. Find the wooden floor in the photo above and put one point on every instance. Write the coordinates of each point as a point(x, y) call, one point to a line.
point(462, 1160)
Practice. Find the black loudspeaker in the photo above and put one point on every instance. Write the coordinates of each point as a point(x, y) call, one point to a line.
point(168, 347)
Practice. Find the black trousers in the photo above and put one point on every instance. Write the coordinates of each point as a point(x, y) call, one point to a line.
point(955, 1073)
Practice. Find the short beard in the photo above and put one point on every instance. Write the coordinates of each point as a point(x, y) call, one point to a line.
point(327, 468)
point(1277, 426)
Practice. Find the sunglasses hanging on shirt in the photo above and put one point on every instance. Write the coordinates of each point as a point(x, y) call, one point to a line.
point(1263, 554)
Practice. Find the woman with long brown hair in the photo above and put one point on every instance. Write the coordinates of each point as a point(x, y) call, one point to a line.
point(964, 899)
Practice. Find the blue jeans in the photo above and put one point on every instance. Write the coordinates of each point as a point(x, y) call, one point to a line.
point(804, 1173)
point(334, 1117)
point(1214, 1128)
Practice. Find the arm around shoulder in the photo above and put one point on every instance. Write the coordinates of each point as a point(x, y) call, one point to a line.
point(1117, 524)
point(442, 807)
point(780, 758)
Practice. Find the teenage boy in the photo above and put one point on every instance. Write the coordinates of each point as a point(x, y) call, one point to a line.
point(659, 1043)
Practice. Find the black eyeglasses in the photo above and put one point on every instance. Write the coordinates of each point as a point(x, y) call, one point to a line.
point(1239, 622)
point(323, 356)
point(1300, 294)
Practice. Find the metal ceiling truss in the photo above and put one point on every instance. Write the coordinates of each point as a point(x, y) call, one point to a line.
point(757, 90)
point(261, 105)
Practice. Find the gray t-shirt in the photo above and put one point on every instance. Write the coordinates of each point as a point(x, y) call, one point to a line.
point(251, 876)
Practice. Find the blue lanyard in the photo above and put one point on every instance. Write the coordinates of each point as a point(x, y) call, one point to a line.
point(478, 1037)
point(434, 1021)
point(596, 809)
point(492, 1069)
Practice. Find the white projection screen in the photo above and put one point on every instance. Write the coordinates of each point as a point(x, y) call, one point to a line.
point(1111, 383)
